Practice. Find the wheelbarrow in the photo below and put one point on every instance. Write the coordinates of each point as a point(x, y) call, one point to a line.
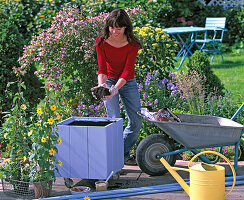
point(193, 132)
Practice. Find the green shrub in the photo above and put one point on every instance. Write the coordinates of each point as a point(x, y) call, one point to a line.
point(11, 48)
point(235, 26)
point(227, 151)
point(200, 63)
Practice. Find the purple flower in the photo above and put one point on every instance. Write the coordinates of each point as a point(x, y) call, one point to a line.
point(144, 95)
point(140, 86)
point(79, 107)
point(165, 80)
point(156, 101)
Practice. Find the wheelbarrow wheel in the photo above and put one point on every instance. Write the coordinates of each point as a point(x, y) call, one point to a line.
point(148, 151)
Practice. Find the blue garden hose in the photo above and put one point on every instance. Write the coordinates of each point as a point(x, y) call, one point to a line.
point(138, 191)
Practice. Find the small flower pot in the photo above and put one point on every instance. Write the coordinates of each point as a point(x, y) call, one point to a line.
point(79, 190)
point(42, 189)
point(101, 186)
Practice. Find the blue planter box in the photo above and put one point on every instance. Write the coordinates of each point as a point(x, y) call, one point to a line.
point(91, 147)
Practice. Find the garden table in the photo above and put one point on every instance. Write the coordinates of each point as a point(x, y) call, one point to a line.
point(185, 43)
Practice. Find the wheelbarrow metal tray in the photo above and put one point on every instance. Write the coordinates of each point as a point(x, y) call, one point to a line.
point(198, 131)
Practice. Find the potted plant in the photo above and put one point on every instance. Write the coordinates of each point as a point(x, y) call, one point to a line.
point(44, 139)
point(16, 168)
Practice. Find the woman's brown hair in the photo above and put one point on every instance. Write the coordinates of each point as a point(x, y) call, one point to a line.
point(119, 18)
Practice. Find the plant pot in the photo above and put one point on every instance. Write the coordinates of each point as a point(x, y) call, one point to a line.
point(21, 188)
point(42, 189)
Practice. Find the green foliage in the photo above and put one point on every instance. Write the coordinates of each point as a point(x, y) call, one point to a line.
point(186, 8)
point(235, 26)
point(15, 130)
point(227, 151)
point(11, 45)
point(223, 106)
point(211, 83)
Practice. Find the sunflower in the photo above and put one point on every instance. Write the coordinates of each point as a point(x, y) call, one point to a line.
point(39, 110)
point(50, 121)
point(53, 107)
point(59, 141)
point(87, 198)
point(60, 163)
point(43, 139)
point(51, 152)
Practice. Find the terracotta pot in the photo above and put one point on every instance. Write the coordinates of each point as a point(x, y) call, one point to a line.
point(42, 189)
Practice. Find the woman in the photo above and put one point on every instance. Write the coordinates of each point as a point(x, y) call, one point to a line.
point(117, 49)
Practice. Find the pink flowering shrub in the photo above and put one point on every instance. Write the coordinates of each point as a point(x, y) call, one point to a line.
point(64, 54)
point(183, 21)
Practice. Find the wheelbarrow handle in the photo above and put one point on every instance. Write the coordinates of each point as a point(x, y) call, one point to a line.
point(237, 112)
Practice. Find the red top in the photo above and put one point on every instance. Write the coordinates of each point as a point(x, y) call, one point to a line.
point(116, 62)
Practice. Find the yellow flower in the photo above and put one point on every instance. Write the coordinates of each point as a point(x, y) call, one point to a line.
point(23, 107)
point(24, 158)
point(51, 152)
point(142, 66)
point(59, 141)
point(158, 30)
point(145, 28)
point(60, 163)
point(58, 116)
point(150, 34)
point(5, 135)
point(50, 121)
point(140, 51)
point(30, 133)
point(87, 198)
point(39, 110)
point(154, 45)
point(22, 133)
point(137, 29)
point(43, 139)
point(53, 107)
point(163, 36)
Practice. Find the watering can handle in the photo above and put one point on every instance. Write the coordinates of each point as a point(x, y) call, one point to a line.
point(222, 156)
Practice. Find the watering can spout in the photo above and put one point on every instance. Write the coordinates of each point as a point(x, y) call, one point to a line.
point(176, 175)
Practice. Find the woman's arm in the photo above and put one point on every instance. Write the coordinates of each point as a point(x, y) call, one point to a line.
point(102, 79)
point(121, 82)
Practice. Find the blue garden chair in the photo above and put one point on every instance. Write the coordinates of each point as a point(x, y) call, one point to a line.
point(215, 27)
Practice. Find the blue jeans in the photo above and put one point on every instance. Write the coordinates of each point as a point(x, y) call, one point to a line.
point(130, 97)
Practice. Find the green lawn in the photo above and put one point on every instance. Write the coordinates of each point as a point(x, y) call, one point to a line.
point(230, 72)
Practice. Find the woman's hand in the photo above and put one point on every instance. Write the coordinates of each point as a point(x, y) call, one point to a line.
point(113, 91)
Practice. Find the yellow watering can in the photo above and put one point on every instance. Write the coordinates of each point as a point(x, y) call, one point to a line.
point(207, 181)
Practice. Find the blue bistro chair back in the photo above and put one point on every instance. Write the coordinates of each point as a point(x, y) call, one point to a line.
point(215, 27)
